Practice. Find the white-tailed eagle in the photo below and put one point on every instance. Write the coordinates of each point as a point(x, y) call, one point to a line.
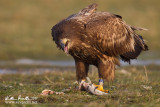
point(97, 38)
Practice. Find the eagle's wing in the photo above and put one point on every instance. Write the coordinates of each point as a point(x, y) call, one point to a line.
point(109, 34)
point(104, 31)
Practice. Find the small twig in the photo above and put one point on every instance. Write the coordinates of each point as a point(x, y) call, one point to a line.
point(49, 79)
point(145, 69)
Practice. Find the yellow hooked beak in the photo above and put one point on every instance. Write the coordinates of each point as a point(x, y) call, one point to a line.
point(64, 45)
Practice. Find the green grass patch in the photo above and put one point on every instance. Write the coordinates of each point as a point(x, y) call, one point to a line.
point(133, 86)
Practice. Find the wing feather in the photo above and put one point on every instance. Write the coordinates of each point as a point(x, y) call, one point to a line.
point(113, 36)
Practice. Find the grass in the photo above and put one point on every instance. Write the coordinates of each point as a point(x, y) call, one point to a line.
point(25, 25)
point(128, 89)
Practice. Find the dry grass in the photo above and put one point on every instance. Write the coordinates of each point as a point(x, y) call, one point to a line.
point(25, 25)
point(131, 88)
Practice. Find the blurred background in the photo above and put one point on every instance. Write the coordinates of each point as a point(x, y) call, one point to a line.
point(25, 25)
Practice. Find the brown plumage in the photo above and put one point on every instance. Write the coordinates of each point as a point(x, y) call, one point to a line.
point(97, 38)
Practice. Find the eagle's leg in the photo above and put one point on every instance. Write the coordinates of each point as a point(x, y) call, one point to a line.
point(81, 71)
point(106, 71)
point(100, 86)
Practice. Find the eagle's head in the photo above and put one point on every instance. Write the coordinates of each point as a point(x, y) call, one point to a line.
point(65, 44)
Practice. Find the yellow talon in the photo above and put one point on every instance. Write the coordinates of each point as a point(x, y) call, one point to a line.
point(100, 88)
